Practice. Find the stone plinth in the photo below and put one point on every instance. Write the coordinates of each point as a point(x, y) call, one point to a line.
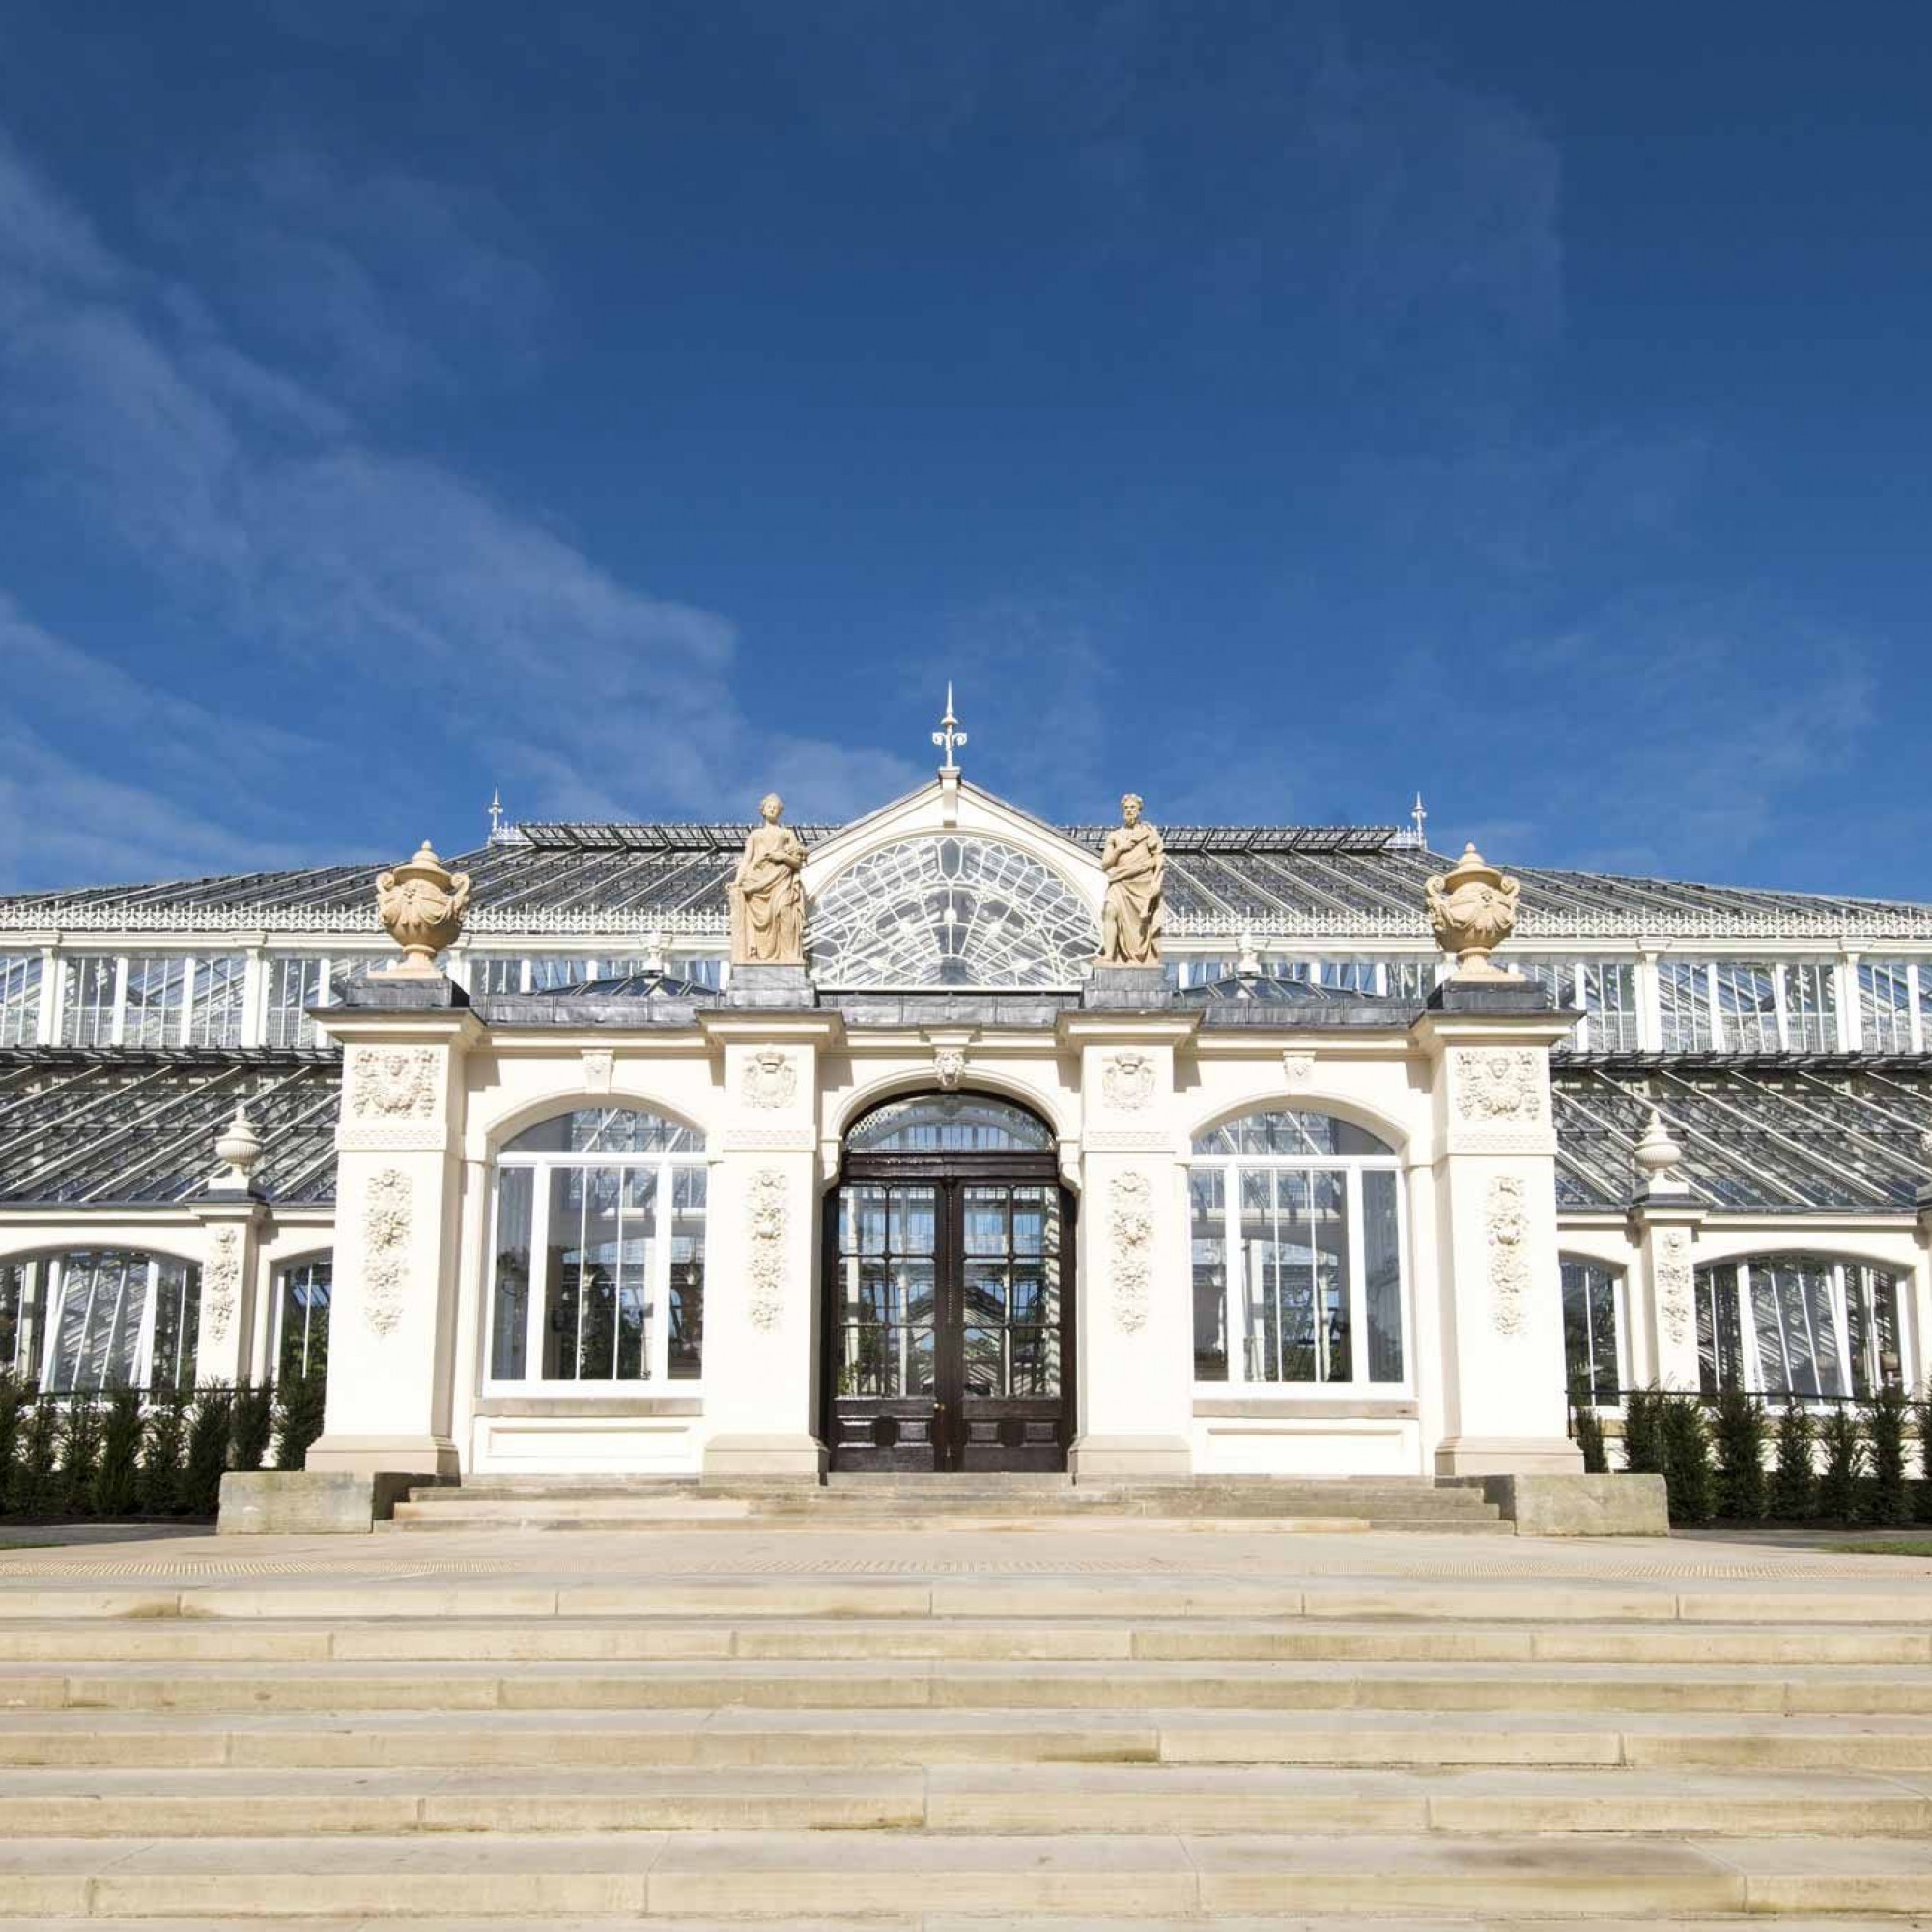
point(1125, 990)
point(1578, 1505)
point(309, 1502)
point(783, 988)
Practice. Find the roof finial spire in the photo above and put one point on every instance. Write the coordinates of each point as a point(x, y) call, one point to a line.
point(950, 737)
point(1419, 813)
point(496, 812)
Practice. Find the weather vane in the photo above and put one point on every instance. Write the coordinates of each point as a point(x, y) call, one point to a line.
point(948, 737)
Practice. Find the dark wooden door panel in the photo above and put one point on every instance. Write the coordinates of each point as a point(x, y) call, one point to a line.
point(949, 1320)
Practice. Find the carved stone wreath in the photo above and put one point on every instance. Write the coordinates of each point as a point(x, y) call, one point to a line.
point(767, 1216)
point(1127, 1080)
point(1509, 1258)
point(1131, 1219)
point(600, 1069)
point(393, 1082)
point(770, 1079)
point(221, 1281)
point(386, 1212)
point(1498, 1084)
point(1673, 1281)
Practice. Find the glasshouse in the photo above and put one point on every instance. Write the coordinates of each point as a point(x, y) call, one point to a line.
point(951, 1140)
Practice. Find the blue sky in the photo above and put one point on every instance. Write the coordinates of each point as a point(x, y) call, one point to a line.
point(1274, 408)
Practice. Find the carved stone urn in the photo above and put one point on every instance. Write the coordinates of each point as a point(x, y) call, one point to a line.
point(1472, 909)
point(422, 904)
point(238, 1147)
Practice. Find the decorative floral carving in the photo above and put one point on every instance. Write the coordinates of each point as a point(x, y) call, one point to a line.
point(766, 1220)
point(393, 1082)
point(770, 1079)
point(221, 1281)
point(1471, 911)
point(386, 1211)
point(1131, 1217)
point(421, 904)
point(1498, 1082)
point(949, 1068)
point(1673, 1281)
point(1509, 1258)
point(600, 1069)
point(1127, 1080)
point(1297, 1069)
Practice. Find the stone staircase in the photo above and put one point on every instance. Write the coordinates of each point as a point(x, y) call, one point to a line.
point(1330, 1506)
point(830, 1749)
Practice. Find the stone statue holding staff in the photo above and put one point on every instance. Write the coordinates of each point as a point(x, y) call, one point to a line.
point(1135, 863)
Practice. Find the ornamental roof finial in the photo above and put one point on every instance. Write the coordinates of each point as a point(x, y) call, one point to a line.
point(950, 737)
point(496, 812)
point(1419, 813)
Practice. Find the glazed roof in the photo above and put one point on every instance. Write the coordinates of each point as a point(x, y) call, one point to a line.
point(1274, 881)
point(111, 1126)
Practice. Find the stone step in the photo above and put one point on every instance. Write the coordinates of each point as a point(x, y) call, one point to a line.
point(1078, 1799)
point(565, 1639)
point(1851, 1601)
point(911, 1683)
point(1169, 1876)
point(941, 1921)
point(416, 1519)
point(733, 1736)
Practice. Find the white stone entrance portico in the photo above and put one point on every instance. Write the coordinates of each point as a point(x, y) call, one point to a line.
point(1311, 1231)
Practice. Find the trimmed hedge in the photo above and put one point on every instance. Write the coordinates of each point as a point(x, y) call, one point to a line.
point(127, 1454)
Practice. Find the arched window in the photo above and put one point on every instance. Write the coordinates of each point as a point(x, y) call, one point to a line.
point(1799, 1324)
point(950, 1124)
point(597, 1276)
point(1592, 1357)
point(1295, 1228)
point(303, 1293)
point(101, 1317)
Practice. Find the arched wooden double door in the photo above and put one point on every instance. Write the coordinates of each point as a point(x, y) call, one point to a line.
point(949, 1303)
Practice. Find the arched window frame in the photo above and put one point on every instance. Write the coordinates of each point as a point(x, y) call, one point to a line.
point(679, 1196)
point(169, 1286)
point(1734, 1293)
point(1609, 1365)
point(1215, 1183)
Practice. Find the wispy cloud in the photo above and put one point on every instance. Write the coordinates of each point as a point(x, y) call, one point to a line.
point(267, 504)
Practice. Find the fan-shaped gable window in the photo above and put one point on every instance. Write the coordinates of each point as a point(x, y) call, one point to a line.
point(1285, 1131)
point(949, 911)
point(950, 1124)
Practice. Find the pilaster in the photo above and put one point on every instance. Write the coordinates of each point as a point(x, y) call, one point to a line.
point(1666, 1222)
point(760, 1332)
point(1135, 1315)
point(392, 1328)
point(232, 1221)
point(1494, 1270)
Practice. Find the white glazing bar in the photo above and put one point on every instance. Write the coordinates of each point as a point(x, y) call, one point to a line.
point(146, 1368)
point(1843, 1286)
point(1649, 1012)
point(120, 1015)
point(46, 1022)
point(657, 1316)
point(1851, 1009)
point(1782, 979)
point(1715, 1006)
point(254, 996)
point(192, 967)
point(538, 1294)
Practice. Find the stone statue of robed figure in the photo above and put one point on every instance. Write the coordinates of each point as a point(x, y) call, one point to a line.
point(767, 894)
point(1135, 863)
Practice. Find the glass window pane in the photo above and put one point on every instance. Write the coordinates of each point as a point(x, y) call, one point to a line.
point(1590, 1333)
point(686, 1354)
point(607, 1130)
point(1719, 1341)
point(13, 1314)
point(636, 1272)
point(1684, 1006)
point(1285, 1131)
point(19, 999)
point(1208, 1242)
point(509, 1319)
point(1382, 1275)
point(219, 985)
point(950, 1124)
point(1885, 1005)
point(305, 1320)
point(86, 1019)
